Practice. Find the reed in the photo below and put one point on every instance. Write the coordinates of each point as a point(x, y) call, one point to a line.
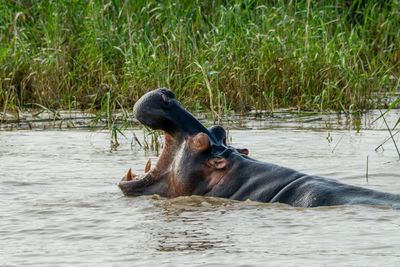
point(216, 55)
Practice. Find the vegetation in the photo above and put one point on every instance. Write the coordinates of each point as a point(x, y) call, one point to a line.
point(215, 55)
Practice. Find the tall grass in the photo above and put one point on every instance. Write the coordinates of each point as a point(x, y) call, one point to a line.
point(250, 54)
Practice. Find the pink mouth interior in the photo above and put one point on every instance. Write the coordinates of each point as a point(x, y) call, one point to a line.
point(164, 160)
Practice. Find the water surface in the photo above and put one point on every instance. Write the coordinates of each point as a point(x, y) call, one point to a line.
point(60, 205)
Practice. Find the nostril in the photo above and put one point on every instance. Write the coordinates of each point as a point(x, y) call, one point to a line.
point(169, 93)
point(164, 98)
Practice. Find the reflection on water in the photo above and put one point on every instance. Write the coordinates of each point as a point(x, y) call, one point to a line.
point(60, 206)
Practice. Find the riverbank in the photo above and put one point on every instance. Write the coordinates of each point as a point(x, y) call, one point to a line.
point(280, 119)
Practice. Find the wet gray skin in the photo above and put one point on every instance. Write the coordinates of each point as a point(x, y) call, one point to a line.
point(196, 161)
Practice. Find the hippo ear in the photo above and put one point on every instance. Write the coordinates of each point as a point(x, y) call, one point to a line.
point(217, 163)
point(200, 142)
point(243, 151)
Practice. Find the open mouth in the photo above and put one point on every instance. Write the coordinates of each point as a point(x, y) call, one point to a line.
point(162, 165)
point(159, 110)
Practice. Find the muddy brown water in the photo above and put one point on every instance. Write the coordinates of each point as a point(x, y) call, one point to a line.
point(60, 205)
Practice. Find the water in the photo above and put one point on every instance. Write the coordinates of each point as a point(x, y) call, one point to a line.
point(60, 205)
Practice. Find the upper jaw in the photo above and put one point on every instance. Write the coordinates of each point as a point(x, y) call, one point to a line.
point(160, 110)
point(151, 109)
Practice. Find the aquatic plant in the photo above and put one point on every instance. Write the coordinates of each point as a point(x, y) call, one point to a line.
point(310, 55)
point(390, 130)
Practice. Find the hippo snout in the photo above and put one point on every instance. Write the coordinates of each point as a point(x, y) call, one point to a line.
point(160, 110)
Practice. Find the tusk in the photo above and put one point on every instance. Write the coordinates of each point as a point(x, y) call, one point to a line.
point(148, 166)
point(130, 175)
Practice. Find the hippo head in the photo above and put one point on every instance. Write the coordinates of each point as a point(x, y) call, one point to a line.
point(194, 159)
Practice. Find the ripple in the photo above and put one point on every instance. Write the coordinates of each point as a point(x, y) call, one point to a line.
point(65, 209)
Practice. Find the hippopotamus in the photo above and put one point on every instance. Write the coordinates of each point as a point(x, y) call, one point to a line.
point(196, 160)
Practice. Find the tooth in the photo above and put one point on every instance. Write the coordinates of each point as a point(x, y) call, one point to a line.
point(130, 175)
point(148, 166)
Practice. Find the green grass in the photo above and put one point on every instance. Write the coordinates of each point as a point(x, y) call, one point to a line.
point(215, 55)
